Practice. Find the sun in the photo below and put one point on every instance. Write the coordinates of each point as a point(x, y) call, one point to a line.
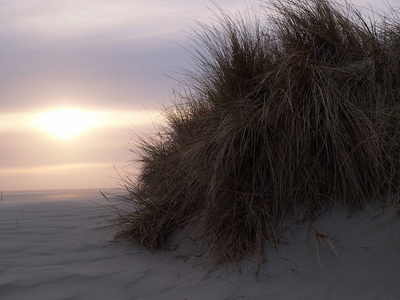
point(66, 123)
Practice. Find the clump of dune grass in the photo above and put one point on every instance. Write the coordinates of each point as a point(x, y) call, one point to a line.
point(286, 112)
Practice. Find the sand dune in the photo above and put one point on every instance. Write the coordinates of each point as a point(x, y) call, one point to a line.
point(58, 246)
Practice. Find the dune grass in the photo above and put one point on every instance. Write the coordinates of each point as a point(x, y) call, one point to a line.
point(287, 111)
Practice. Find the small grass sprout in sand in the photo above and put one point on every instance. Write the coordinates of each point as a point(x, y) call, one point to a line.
point(286, 112)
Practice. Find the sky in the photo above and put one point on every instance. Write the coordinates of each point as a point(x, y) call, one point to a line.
point(80, 78)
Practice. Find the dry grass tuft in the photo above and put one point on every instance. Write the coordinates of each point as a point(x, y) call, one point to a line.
point(286, 113)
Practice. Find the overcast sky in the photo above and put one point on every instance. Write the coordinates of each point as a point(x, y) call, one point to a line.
point(104, 53)
point(105, 57)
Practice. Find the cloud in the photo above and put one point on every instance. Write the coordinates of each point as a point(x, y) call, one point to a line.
point(54, 168)
point(63, 176)
point(74, 19)
point(104, 56)
point(109, 53)
point(104, 119)
point(60, 20)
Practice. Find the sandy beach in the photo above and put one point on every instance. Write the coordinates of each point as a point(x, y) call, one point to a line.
point(58, 245)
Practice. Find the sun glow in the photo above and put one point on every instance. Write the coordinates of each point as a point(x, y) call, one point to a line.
point(66, 123)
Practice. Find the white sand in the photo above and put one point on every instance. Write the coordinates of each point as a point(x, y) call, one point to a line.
point(57, 246)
